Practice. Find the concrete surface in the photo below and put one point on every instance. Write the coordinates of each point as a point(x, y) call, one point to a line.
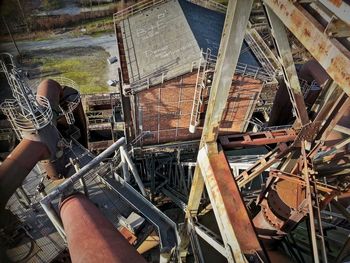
point(159, 40)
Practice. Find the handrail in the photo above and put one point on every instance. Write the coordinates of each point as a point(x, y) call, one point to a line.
point(29, 121)
point(159, 77)
point(210, 4)
point(134, 9)
point(141, 6)
point(259, 54)
point(73, 102)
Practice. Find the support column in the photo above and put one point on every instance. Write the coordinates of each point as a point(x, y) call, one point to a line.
point(212, 168)
point(289, 72)
point(236, 22)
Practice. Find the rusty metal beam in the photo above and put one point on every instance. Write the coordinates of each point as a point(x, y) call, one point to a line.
point(231, 214)
point(289, 72)
point(232, 38)
point(236, 22)
point(329, 52)
point(299, 180)
point(257, 138)
point(340, 8)
point(261, 165)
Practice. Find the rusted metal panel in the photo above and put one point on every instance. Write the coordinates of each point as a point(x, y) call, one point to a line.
point(330, 53)
point(128, 235)
point(165, 109)
point(299, 180)
point(337, 3)
point(233, 220)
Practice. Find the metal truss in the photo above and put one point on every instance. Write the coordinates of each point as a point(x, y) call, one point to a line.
point(297, 150)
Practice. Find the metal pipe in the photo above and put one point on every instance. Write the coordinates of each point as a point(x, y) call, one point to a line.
point(55, 220)
point(18, 165)
point(124, 165)
point(53, 91)
point(29, 151)
point(81, 180)
point(91, 237)
point(74, 178)
point(312, 70)
point(134, 171)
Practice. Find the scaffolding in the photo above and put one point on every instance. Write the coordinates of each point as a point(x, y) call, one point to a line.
point(257, 185)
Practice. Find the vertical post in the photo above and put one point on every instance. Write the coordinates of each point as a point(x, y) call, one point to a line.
point(134, 171)
point(235, 25)
point(9, 31)
point(236, 22)
point(289, 72)
point(124, 165)
point(52, 215)
point(81, 180)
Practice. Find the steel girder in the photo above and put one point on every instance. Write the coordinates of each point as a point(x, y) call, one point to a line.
point(329, 52)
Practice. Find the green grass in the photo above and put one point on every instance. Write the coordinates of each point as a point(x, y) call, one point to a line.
point(52, 4)
point(99, 26)
point(223, 2)
point(94, 28)
point(86, 68)
point(98, 22)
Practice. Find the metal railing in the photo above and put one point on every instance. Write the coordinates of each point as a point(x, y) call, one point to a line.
point(97, 168)
point(27, 121)
point(259, 53)
point(134, 9)
point(246, 70)
point(159, 77)
point(73, 101)
point(201, 84)
point(210, 4)
point(26, 112)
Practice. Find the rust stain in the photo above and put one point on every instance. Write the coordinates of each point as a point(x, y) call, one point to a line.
point(337, 3)
point(296, 20)
point(168, 107)
point(339, 71)
point(232, 203)
point(307, 32)
point(323, 49)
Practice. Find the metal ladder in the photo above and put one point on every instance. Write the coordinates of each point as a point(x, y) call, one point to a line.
point(200, 86)
point(258, 52)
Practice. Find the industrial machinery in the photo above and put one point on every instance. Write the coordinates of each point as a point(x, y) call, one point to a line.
point(220, 155)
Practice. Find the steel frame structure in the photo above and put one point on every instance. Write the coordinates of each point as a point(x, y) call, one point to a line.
point(212, 168)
